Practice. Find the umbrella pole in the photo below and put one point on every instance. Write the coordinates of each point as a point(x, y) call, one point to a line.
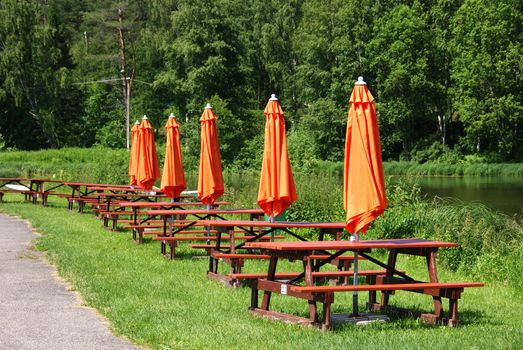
point(172, 221)
point(355, 238)
point(271, 219)
point(208, 228)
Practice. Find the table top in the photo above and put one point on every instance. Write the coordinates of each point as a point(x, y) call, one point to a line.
point(164, 204)
point(132, 195)
point(27, 179)
point(275, 224)
point(104, 186)
point(403, 243)
point(14, 179)
point(117, 188)
point(203, 212)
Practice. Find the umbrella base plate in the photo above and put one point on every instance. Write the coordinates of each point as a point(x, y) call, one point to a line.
point(362, 319)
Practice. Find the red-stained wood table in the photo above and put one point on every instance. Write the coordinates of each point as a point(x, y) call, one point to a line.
point(138, 210)
point(36, 187)
point(259, 230)
point(169, 232)
point(392, 280)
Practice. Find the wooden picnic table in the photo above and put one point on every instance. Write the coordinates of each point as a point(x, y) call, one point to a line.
point(138, 208)
point(36, 187)
point(89, 188)
point(259, 230)
point(388, 282)
point(121, 189)
point(169, 232)
point(110, 198)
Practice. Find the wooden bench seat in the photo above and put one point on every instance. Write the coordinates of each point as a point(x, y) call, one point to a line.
point(81, 201)
point(426, 287)
point(27, 194)
point(172, 241)
point(325, 294)
point(154, 224)
point(316, 274)
point(236, 260)
point(205, 238)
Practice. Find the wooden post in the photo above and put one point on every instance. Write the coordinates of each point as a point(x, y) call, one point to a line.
point(126, 81)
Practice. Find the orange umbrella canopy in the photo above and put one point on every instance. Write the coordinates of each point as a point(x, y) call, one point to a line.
point(210, 180)
point(148, 170)
point(364, 189)
point(276, 191)
point(173, 179)
point(133, 158)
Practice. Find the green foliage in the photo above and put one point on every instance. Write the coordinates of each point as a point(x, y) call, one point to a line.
point(486, 58)
point(490, 243)
point(443, 72)
point(96, 164)
point(436, 152)
point(111, 134)
point(472, 168)
point(162, 304)
point(401, 64)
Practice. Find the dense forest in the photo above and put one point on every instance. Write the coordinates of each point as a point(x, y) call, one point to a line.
point(446, 74)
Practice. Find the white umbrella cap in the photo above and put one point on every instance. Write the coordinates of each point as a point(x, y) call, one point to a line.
point(208, 106)
point(137, 122)
point(360, 81)
point(144, 117)
point(171, 115)
point(273, 98)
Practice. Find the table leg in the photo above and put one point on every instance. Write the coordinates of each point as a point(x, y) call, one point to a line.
point(393, 254)
point(453, 312)
point(232, 242)
point(270, 276)
point(254, 296)
point(309, 281)
point(328, 299)
point(433, 277)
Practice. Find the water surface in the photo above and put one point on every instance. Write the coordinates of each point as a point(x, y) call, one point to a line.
point(503, 194)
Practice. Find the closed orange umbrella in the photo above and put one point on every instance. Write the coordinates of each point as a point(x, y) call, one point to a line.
point(173, 179)
point(133, 158)
point(210, 180)
point(148, 170)
point(364, 188)
point(276, 191)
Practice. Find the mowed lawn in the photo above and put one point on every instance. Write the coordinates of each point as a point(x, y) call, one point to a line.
point(164, 304)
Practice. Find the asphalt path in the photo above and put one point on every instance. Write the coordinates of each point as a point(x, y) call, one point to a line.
point(37, 309)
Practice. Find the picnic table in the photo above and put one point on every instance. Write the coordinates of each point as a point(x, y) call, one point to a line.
point(137, 209)
point(259, 230)
point(170, 234)
point(389, 281)
point(34, 187)
point(86, 188)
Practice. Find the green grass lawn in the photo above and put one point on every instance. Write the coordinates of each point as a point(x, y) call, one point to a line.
point(165, 304)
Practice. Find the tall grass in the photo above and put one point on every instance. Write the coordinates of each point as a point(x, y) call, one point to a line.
point(490, 243)
point(166, 304)
point(91, 164)
point(453, 169)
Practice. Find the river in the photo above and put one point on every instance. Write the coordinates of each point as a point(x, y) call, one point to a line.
point(504, 194)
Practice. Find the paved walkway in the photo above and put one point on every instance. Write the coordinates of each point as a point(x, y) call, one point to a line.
point(36, 309)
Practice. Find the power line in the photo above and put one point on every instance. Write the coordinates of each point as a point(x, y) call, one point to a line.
point(110, 80)
point(98, 81)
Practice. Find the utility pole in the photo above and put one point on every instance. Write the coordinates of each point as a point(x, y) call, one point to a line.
point(126, 80)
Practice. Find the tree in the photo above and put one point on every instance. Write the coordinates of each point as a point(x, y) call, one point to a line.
point(399, 57)
point(35, 69)
point(487, 68)
point(203, 61)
